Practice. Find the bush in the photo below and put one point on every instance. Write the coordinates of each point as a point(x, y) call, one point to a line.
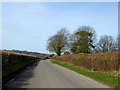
point(105, 62)
point(12, 63)
point(13, 58)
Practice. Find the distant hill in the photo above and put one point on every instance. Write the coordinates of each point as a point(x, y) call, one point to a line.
point(29, 53)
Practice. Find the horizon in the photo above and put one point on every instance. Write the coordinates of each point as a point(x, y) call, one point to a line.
point(28, 25)
point(22, 50)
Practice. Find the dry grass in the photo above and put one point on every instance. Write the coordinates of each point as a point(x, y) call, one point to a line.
point(105, 62)
point(8, 52)
point(14, 62)
point(13, 58)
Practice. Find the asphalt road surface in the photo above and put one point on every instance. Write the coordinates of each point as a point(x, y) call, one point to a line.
point(44, 74)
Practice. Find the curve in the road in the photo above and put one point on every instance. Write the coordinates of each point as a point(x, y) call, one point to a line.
point(45, 74)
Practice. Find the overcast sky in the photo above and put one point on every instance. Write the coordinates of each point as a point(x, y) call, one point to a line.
point(27, 26)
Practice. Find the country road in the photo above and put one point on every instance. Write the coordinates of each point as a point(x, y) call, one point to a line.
point(44, 74)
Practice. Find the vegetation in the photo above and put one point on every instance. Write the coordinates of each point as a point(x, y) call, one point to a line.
point(12, 68)
point(57, 43)
point(28, 53)
point(105, 62)
point(82, 40)
point(14, 58)
point(41, 58)
point(13, 62)
point(84, 55)
point(107, 43)
point(104, 78)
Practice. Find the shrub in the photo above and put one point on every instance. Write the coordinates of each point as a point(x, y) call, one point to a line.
point(105, 62)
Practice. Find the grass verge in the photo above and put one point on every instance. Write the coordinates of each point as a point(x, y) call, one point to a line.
point(12, 68)
point(41, 59)
point(104, 78)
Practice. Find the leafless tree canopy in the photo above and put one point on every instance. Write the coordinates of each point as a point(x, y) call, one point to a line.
point(81, 41)
point(57, 43)
point(107, 43)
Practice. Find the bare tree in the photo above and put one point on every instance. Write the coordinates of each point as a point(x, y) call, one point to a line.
point(58, 43)
point(106, 43)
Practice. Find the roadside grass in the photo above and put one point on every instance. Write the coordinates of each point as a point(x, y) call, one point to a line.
point(41, 59)
point(104, 78)
point(12, 68)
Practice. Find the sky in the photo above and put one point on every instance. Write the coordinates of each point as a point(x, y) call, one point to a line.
point(28, 25)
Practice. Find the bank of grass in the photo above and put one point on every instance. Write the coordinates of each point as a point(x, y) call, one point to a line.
point(6, 71)
point(13, 68)
point(104, 78)
point(41, 58)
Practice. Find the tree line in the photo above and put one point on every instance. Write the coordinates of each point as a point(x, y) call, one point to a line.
point(83, 40)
